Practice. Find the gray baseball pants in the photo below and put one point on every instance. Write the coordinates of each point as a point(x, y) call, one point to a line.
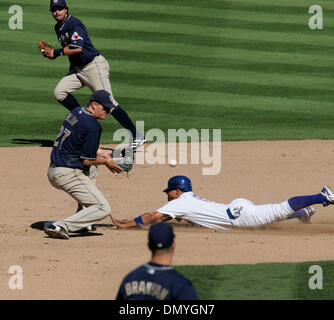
point(94, 75)
point(82, 188)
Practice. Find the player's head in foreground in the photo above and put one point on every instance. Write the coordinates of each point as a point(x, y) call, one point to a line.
point(176, 186)
point(161, 242)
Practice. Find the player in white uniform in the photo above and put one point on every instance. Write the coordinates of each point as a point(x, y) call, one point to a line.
point(184, 204)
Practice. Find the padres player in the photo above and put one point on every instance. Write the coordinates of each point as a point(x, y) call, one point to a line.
point(185, 204)
point(87, 66)
point(157, 279)
point(74, 158)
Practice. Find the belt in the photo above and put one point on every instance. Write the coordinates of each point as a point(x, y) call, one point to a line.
point(84, 65)
point(54, 165)
point(94, 58)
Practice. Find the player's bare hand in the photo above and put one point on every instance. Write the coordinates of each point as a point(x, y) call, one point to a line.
point(113, 167)
point(104, 153)
point(119, 223)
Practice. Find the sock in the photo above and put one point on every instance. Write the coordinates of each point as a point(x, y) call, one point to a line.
point(297, 214)
point(69, 102)
point(297, 203)
point(123, 118)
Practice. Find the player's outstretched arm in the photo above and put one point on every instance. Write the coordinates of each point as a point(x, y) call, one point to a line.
point(108, 162)
point(144, 219)
point(104, 153)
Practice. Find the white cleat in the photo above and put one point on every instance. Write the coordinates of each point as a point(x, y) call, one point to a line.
point(56, 232)
point(329, 195)
point(136, 143)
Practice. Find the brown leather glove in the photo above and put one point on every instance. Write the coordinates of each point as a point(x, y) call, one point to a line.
point(45, 48)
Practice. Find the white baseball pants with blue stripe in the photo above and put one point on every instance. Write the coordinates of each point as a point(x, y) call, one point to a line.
point(251, 215)
point(83, 189)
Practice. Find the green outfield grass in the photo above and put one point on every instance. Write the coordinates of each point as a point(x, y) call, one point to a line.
point(250, 67)
point(263, 281)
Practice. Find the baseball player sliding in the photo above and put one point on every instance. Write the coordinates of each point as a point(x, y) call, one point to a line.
point(87, 66)
point(184, 204)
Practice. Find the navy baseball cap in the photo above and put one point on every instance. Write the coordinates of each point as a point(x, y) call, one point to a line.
point(102, 97)
point(160, 236)
point(57, 3)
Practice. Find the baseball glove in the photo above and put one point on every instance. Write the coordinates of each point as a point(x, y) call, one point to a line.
point(124, 161)
point(42, 45)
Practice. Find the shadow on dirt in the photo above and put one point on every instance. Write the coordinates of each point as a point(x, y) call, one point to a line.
point(40, 225)
point(41, 142)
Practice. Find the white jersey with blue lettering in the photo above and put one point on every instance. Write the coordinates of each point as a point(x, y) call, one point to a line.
point(238, 213)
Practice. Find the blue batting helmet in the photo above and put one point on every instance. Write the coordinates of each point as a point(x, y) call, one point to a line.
point(179, 182)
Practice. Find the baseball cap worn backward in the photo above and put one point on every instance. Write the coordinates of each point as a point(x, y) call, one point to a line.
point(102, 97)
point(160, 236)
point(179, 182)
point(57, 3)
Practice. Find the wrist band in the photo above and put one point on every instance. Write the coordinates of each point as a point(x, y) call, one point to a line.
point(139, 221)
point(58, 52)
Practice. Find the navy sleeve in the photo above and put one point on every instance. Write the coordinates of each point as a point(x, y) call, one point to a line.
point(91, 144)
point(77, 36)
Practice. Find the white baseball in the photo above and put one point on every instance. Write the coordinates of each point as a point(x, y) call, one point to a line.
point(172, 162)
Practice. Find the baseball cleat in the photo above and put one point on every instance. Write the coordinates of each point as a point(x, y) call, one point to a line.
point(329, 196)
point(91, 228)
point(138, 142)
point(56, 232)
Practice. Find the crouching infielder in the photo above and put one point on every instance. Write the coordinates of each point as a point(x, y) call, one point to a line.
point(74, 159)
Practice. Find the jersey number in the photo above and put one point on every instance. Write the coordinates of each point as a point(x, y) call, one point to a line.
point(63, 134)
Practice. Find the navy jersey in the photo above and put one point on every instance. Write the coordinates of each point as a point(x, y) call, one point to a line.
point(73, 33)
point(153, 281)
point(78, 139)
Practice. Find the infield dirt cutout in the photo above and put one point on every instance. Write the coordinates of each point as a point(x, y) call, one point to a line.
point(91, 266)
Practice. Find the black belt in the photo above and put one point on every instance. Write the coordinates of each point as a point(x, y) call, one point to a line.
point(89, 61)
point(54, 165)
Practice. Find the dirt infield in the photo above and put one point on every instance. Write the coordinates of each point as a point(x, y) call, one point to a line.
point(91, 266)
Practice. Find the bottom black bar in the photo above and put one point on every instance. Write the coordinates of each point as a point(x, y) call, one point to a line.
point(203, 309)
